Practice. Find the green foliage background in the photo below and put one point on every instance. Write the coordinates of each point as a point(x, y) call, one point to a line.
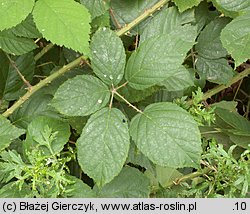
point(115, 98)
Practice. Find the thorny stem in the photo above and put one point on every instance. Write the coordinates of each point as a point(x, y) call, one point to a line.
point(77, 61)
point(43, 51)
point(117, 24)
point(220, 88)
point(26, 82)
point(187, 177)
point(41, 84)
point(238, 88)
point(140, 18)
point(192, 175)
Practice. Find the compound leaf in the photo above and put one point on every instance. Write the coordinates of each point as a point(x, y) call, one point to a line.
point(235, 37)
point(64, 22)
point(167, 135)
point(12, 12)
point(81, 96)
point(108, 56)
point(130, 183)
point(103, 146)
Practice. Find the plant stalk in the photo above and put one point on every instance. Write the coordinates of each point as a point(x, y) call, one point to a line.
point(41, 84)
point(140, 18)
point(43, 51)
point(220, 88)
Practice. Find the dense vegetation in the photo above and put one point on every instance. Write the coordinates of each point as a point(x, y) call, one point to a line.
point(124, 98)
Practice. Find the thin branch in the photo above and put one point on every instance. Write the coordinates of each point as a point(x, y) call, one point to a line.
point(220, 88)
point(237, 90)
point(41, 84)
point(143, 16)
point(112, 96)
point(136, 41)
point(193, 58)
point(43, 51)
point(132, 106)
point(191, 176)
point(112, 15)
point(26, 82)
point(121, 86)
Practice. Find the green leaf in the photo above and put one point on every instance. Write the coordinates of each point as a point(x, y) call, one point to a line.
point(233, 120)
point(37, 131)
point(15, 191)
point(64, 22)
point(103, 146)
point(125, 12)
point(27, 28)
point(137, 158)
point(96, 7)
point(186, 4)
point(214, 70)
point(158, 58)
point(235, 37)
point(180, 80)
point(163, 176)
point(78, 189)
point(232, 8)
point(11, 85)
point(81, 96)
point(166, 21)
point(240, 139)
point(209, 44)
point(15, 45)
point(8, 132)
point(37, 105)
point(167, 135)
point(108, 56)
point(12, 12)
point(130, 183)
point(211, 63)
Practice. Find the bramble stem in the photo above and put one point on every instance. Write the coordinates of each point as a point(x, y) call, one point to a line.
point(43, 51)
point(41, 84)
point(26, 82)
point(220, 88)
point(78, 61)
point(140, 18)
